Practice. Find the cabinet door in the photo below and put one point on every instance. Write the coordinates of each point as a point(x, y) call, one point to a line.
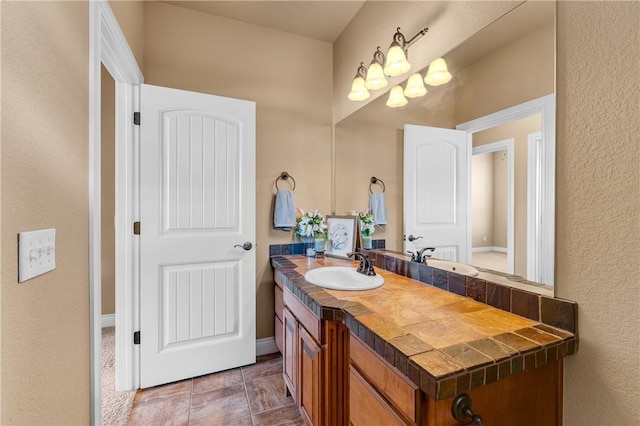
point(366, 405)
point(309, 392)
point(279, 306)
point(290, 355)
point(279, 337)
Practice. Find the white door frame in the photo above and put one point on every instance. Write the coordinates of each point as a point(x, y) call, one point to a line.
point(534, 203)
point(108, 46)
point(509, 146)
point(546, 106)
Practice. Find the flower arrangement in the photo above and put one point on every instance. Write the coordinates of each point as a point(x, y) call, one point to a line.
point(310, 224)
point(367, 225)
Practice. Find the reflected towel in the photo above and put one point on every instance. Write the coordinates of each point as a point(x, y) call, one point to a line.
point(284, 212)
point(378, 207)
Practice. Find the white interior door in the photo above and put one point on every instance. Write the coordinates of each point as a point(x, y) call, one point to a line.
point(197, 209)
point(435, 191)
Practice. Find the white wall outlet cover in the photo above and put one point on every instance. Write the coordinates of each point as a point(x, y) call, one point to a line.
point(36, 253)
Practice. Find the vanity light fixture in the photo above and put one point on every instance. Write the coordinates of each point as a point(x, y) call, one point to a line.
point(375, 75)
point(358, 90)
point(438, 73)
point(415, 87)
point(397, 63)
point(396, 97)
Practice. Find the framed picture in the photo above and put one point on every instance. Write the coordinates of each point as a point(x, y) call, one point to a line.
point(342, 235)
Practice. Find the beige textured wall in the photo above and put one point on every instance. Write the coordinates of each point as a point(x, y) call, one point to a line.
point(363, 151)
point(107, 141)
point(130, 16)
point(598, 207)
point(519, 72)
point(519, 131)
point(289, 78)
point(482, 205)
point(45, 321)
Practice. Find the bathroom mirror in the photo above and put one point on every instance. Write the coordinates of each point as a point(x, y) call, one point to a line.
point(506, 67)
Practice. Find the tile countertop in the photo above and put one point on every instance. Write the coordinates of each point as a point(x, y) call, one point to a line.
point(443, 342)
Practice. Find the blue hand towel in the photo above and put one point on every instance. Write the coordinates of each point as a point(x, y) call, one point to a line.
point(378, 208)
point(284, 212)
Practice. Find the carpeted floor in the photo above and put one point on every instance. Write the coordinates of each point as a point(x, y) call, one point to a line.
point(115, 405)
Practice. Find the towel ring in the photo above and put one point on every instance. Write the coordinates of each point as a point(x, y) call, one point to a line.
point(285, 176)
point(375, 180)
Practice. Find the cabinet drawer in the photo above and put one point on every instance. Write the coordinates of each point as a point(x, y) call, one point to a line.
point(278, 305)
point(279, 336)
point(402, 393)
point(366, 406)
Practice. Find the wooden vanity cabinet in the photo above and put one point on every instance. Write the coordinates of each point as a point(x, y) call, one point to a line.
point(314, 362)
point(336, 379)
point(378, 391)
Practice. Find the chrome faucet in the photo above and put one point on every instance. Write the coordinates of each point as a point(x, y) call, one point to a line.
point(366, 265)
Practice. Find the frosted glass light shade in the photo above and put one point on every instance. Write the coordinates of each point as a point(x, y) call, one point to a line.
point(397, 63)
point(415, 87)
point(358, 90)
point(438, 73)
point(375, 77)
point(396, 98)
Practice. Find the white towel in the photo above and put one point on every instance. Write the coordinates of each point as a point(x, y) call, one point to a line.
point(378, 208)
point(284, 212)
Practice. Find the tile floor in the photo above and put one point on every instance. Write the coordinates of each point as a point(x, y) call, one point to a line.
point(252, 395)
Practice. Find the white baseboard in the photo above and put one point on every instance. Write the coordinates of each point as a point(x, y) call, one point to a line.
point(266, 346)
point(109, 320)
point(483, 249)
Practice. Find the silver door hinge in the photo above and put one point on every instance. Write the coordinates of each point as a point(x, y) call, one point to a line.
point(136, 337)
point(136, 228)
point(136, 118)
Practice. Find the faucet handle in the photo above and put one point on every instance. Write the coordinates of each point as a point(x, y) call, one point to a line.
point(370, 271)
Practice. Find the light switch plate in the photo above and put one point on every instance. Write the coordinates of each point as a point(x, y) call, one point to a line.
point(36, 253)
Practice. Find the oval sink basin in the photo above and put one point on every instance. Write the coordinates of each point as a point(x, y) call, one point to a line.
point(458, 268)
point(342, 278)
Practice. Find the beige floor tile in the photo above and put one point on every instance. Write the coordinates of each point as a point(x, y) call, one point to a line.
point(264, 368)
point(164, 411)
point(219, 380)
point(286, 416)
point(267, 393)
point(221, 406)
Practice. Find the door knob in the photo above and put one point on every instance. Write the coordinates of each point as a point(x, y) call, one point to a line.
point(412, 238)
point(247, 246)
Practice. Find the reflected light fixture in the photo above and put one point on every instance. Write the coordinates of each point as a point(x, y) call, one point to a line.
point(397, 63)
point(358, 90)
point(396, 97)
point(415, 87)
point(375, 75)
point(438, 73)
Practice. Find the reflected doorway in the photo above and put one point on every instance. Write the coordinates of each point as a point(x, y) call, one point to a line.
point(492, 205)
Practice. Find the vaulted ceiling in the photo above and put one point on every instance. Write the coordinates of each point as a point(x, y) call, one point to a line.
point(320, 20)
